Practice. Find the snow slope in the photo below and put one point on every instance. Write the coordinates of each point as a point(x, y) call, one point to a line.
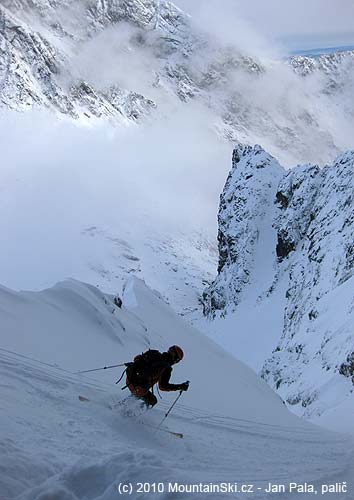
point(55, 447)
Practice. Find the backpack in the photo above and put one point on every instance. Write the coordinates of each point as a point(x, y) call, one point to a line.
point(146, 368)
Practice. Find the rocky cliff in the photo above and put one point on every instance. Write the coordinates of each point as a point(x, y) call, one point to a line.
point(245, 204)
point(310, 211)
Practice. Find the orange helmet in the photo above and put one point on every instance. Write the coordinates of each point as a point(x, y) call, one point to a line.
point(176, 353)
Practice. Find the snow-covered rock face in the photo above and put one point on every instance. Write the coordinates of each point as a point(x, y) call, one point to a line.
point(247, 197)
point(295, 195)
point(338, 65)
point(40, 41)
point(311, 212)
point(318, 225)
point(35, 70)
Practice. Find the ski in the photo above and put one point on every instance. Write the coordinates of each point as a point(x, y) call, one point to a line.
point(83, 398)
point(176, 434)
point(179, 435)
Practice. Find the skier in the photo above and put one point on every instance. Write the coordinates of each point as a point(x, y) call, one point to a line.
point(150, 368)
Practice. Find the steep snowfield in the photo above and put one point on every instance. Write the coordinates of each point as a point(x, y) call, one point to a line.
point(55, 447)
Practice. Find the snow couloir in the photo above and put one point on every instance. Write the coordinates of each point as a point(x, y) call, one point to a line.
point(286, 248)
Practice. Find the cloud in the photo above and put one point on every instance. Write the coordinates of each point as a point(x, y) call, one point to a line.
point(122, 55)
point(304, 21)
point(57, 179)
point(223, 22)
point(170, 171)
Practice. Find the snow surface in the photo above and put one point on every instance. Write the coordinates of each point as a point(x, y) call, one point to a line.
point(57, 448)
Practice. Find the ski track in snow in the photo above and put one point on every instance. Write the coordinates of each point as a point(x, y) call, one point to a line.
point(55, 447)
point(83, 450)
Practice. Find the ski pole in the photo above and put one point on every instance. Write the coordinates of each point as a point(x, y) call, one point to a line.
point(104, 368)
point(169, 411)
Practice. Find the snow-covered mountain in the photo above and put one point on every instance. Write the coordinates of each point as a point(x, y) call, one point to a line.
point(139, 66)
point(124, 60)
point(331, 64)
point(54, 446)
point(286, 277)
point(126, 63)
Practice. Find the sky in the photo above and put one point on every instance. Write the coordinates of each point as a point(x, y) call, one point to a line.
point(296, 25)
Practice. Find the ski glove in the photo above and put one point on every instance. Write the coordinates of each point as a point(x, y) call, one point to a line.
point(184, 386)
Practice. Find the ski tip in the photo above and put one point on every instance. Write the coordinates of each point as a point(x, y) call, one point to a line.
point(177, 434)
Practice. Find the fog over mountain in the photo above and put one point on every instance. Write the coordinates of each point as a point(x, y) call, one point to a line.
point(142, 88)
